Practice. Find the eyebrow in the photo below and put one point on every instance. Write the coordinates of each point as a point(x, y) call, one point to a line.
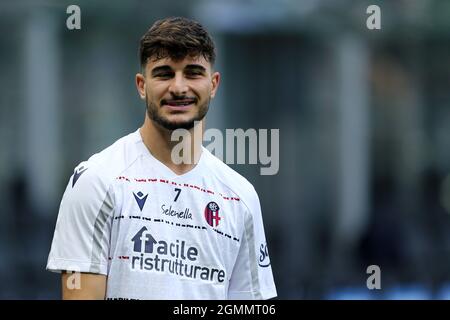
point(159, 69)
point(189, 67)
point(195, 67)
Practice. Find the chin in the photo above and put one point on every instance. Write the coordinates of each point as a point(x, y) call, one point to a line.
point(176, 124)
point(173, 121)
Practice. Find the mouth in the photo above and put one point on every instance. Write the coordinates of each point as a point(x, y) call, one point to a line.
point(179, 103)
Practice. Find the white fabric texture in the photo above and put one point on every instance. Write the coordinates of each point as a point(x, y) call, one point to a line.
point(158, 235)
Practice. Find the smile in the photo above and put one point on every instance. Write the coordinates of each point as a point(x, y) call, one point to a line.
point(178, 103)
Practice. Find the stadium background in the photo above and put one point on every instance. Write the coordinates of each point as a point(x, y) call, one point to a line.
point(364, 119)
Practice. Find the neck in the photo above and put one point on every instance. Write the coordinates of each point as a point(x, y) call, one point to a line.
point(181, 155)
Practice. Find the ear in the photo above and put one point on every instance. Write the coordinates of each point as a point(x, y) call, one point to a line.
point(215, 80)
point(140, 85)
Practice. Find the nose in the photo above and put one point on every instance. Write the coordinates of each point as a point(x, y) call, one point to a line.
point(178, 86)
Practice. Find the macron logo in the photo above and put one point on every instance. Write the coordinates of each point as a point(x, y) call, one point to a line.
point(78, 172)
point(140, 199)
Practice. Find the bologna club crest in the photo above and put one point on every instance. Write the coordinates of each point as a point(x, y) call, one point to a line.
point(212, 214)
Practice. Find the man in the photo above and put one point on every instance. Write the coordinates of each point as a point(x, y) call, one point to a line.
point(138, 224)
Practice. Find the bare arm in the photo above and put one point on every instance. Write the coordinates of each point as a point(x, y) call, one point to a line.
point(83, 286)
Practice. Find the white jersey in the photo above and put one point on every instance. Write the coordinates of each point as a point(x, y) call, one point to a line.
point(159, 235)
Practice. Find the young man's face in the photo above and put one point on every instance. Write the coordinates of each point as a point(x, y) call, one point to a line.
point(177, 93)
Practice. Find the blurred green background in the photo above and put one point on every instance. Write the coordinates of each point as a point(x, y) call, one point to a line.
point(364, 119)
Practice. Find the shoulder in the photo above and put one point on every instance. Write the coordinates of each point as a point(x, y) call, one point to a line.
point(232, 180)
point(102, 168)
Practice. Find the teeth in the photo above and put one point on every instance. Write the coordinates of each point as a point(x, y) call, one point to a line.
point(180, 103)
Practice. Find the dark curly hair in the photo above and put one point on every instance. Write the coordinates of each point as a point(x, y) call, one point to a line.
point(176, 37)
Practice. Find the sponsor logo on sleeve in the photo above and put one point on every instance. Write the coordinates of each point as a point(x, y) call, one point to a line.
point(264, 260)
point(77, 173)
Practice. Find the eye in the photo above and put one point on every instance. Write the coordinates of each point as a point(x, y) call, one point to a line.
point(194, 74)
point(164, 75)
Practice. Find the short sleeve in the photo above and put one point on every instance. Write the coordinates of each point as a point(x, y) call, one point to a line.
point(81, 238)
point(252, 276)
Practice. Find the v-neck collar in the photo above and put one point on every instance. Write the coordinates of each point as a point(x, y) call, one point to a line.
point(165, 169)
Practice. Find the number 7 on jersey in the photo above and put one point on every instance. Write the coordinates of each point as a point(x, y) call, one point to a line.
point(178, 191)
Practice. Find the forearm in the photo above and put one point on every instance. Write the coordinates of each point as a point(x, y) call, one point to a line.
point(83, 286)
